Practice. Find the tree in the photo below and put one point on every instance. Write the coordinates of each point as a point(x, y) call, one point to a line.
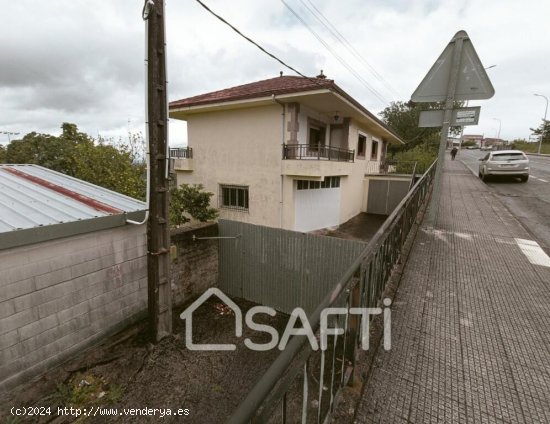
point(2, 154)
point(190, 201)
point(116, 167)
point(544, 130)
point(403, 118)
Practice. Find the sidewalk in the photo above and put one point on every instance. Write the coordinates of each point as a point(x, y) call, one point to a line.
point(470, 321)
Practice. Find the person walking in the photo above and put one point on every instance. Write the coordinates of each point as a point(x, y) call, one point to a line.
point(454, 151)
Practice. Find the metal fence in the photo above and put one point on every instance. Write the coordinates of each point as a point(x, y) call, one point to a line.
point(280, 268)
point(181, 152)
point(301, 385)
point(317, 151)
point(388, 166)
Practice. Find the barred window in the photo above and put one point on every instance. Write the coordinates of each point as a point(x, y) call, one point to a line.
point(234, 197)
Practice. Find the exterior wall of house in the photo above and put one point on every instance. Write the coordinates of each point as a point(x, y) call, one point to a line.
point(59, 297)
point(241, 147)
point(353, 186)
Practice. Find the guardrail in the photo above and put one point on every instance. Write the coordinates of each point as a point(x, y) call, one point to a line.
point(317, 151)
point(288, 390)
point(181, 152)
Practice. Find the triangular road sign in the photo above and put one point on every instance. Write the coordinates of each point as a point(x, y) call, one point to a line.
point(472, 84)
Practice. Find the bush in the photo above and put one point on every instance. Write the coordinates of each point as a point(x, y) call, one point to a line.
point(423, 155)
point(190, 201)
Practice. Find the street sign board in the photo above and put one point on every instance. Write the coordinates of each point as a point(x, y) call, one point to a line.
point(472, 83)
point(460, 117)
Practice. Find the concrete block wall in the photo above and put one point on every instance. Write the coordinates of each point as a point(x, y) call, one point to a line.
point(59, 297)
point(195, 268)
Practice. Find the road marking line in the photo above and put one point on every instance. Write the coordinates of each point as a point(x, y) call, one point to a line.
point(533, 252)
point(544, 181)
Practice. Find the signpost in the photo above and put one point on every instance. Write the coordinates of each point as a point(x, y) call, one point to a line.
point(456, 75)
point(459, 118)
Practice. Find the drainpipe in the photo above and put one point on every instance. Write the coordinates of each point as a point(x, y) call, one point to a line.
point(148, 5)
point(283, 115)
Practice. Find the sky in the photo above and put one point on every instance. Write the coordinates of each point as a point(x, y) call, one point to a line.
point(82, 61)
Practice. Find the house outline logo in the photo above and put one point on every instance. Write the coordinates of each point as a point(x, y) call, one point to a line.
point(187, 315)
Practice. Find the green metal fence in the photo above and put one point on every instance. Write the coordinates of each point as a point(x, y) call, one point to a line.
point(280, 268)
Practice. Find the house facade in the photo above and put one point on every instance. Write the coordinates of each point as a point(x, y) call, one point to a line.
point(287, 152)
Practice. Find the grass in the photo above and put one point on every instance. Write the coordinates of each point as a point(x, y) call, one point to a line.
point(87, 389)
point(532, 147)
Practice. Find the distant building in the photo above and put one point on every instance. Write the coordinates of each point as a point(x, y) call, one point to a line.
point(476, 138)
point(495, 142)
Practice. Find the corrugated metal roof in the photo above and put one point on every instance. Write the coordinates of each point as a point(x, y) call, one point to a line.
point(33, 196)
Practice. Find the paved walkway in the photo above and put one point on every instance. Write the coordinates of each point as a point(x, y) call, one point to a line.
point(470, 322)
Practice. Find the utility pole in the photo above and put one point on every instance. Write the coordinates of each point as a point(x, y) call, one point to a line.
point(158, 231)
point(9, 133)
point(543, 120)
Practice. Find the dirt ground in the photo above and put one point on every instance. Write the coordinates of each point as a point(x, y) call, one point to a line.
point(126, 371)
point(361, 227)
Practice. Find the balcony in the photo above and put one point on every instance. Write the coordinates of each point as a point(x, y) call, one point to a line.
point(318, 152)
point(181, 158)
point(316, 161)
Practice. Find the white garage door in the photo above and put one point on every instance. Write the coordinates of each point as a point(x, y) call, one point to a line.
point(317, 205)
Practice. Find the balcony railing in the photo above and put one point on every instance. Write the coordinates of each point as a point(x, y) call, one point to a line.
point(181, 152)
point(317, 151)
point(386, 167)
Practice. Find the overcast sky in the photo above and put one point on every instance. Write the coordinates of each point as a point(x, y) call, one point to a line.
point(81, 61)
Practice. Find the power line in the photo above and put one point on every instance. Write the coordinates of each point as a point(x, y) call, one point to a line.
point(252, 41)
point(342, 61)
point(338, 35)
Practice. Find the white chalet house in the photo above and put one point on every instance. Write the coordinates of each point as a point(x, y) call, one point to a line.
point(288, 152)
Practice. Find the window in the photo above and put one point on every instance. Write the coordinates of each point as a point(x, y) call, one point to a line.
point(329, 182)
point(374, 150)
point(234, 197)
point(361, 145)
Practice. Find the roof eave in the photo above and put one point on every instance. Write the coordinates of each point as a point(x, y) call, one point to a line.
point(393, 137)
point(181, 112)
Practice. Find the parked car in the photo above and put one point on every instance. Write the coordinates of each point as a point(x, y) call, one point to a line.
point(504, 162)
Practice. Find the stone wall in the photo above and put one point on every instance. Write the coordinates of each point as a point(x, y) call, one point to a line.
point(59, 297)
point(195, 266)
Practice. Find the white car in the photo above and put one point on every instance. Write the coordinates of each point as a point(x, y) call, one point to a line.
point(504, 162)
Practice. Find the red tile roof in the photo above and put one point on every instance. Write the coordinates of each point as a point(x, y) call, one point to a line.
point(266, 88)
point(278, 85)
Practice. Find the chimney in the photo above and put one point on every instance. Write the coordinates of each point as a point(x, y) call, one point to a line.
point(321, 75)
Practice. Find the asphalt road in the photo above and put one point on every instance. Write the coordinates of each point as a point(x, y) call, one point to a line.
point(529, 202)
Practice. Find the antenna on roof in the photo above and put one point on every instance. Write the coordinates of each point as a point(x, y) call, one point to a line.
point(321, 75)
